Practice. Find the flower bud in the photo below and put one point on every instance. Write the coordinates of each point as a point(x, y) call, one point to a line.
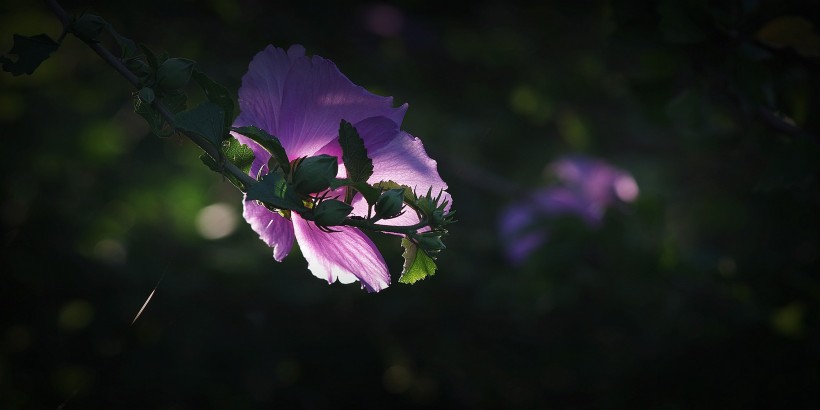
point(314, 174)
point(430, 242)
point(147, 94)
point(390, 203)
point(174, 73)
point(331, 212)
point(88, 27)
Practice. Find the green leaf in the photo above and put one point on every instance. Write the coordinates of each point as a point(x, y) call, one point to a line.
point(274, 190)
point(174, 73)
point(354, 154)
point(238, 153)
point(128, 48)
point(139, 67)
point(175, 101)
point(31, 52)
point(210, 163)
point(153, 117)
point(269, 143)
point(150, 56)
point(358, 165)
point(216, 94)
point(204, 120)
point(417, 265)
point(235, 152)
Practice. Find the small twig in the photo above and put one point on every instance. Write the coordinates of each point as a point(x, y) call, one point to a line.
point(364, 224)
point(778, 123)
point(161, 108)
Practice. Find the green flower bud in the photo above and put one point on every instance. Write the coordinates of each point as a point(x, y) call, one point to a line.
point(430, 242)
point(88, 27)
point(314, 174)
point(331, 212)
point(146, 94)
point(174, 73)
point(390, 203)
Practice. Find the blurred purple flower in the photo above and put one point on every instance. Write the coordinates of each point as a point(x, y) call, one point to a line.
point(301, 100)
point(587, 187)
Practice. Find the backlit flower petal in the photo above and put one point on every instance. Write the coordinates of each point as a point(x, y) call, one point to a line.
point(347, 255)
point(316, 98)
point(260, 96)
point(398, 156)
point(273, 229)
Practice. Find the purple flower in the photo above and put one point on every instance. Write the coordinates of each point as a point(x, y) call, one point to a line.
point(587, 187)
point(301, 100)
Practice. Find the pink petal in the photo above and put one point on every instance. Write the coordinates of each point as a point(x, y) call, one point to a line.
point(301, 100)
point(316, 97)
point(273, 229)
point(260, 96)
point(347, 255)
point(398, 156)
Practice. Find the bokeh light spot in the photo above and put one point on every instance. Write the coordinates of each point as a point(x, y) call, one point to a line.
point(788, 320)
point(76, 314)
point(110, 251)
point(397, 379)
point(216, 221)
point(626, 188)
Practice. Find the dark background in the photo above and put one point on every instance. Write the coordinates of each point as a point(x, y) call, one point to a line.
point(704, 293)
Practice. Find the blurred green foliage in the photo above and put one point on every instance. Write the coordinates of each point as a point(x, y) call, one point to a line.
point(704, 293)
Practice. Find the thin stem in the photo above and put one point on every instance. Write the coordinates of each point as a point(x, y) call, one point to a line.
point(364, 224)
point(114, 62)
point(778, 123)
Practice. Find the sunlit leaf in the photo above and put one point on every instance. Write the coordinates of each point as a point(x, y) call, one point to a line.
point(269, 143)
point(154, 119)
point(417, 264)
point(238, 153)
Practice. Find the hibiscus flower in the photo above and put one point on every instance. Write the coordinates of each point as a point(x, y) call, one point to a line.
point(302, 100)
point(587, 187)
